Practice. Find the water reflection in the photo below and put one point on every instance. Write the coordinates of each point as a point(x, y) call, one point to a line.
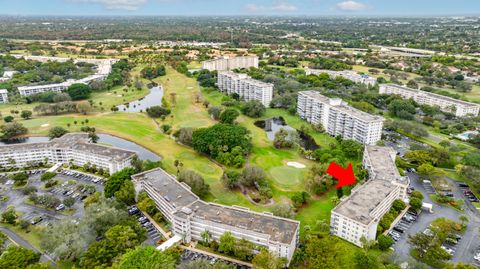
point(273, 125)
point(154, 98)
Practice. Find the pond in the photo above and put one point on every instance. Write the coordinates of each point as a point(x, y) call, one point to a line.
point(143, 153)
point(154, 98)
point(273, 125)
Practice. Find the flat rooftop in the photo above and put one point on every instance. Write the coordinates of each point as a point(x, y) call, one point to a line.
point(168, 187)
point(3, 91)
point(360, 204)
point(342, 107)
point(45, 86)
point(435, 95)
point(383, 164)
point(364, 116)
point(279, 229)
point(246, 78)
point(315, 95)
point(73, 141)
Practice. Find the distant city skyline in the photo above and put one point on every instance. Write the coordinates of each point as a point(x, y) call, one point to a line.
point(241, 7)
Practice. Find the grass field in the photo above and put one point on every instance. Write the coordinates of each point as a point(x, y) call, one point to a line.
point(101, 100)
point(187, 112)
point(473, 96)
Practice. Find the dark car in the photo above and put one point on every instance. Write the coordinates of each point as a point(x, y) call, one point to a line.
point(397, 229)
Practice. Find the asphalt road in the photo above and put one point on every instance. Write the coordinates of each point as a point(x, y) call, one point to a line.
point(21, 242)
point(468, 244)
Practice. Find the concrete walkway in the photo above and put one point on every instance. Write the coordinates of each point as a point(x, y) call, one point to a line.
point(165, 234)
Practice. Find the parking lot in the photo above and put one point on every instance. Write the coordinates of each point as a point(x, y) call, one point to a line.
point(70, 184)
point(464, 249)
point(400, 228)
point(153, 235)
point(191, 255)
point(427, 185)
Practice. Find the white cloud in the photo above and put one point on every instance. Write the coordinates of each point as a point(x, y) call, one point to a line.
point(351, 6)
point(116, 4)
point(277, 6)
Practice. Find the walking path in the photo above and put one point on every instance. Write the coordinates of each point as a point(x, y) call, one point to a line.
point(19, 241)
point(165, 234)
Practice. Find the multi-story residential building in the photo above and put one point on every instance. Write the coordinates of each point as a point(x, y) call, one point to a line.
point(358, 215)
point(74, 148)
point(227, 63)
point(3, 96)
point(447, 104)
point(190, 216)
point(35, 89)
point(351, 75)
point(247, 88)
point(380, 164)
point(338, 118)
point(103, 68)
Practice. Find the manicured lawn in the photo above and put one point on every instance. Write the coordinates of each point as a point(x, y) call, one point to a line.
point(477, 206)
point(105, 100)
point(101, 100)
point(186, 112)
point(33, 237)
point(135, 127)
point(286, 176)
point(318, 209)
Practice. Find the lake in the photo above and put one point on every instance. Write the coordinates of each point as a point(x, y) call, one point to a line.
point(154, 98)
point(273, 125)
point(143, 153)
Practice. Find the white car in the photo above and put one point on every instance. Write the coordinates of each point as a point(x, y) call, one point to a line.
point(477, 257)
point(448, 250)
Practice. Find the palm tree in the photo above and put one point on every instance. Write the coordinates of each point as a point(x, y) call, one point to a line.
point(206, 236)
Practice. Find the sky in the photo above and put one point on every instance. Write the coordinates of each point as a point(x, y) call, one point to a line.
point(241, 7)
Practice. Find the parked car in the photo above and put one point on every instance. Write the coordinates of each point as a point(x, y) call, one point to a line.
point(36, 220)
point(60, 207)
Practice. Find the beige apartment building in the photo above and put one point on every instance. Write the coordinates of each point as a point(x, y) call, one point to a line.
point(358, 215)
point(190, 216)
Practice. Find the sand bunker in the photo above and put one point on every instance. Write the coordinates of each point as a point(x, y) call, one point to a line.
point(296, 165)
point(45, 125)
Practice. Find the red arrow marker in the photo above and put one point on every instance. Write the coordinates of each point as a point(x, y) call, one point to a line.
point(345, 176)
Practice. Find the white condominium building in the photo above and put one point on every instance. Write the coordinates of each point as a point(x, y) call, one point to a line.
point(447, 104)
point(34, 89)
point(247, 88)
point(227, 63)
point(190, 216)
point(338, 118)
point(3, 96)
point(71, 148)
point(358, 215)
point(103, 68)
point(351, 75)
